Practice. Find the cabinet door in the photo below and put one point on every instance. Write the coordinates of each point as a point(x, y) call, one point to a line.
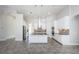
point(65, 39)
point(38, 39)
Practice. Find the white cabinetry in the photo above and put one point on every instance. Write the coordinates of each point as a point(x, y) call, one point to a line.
point(38, 39)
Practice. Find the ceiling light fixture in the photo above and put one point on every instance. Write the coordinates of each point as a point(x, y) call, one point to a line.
point(35, 5)
point(41, 5)
point(30, 12)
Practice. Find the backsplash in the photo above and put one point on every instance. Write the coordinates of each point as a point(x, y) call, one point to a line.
point(63, 31)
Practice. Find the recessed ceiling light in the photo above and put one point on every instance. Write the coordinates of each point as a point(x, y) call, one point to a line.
point(41, 5)
point(30, 12)
point(35, 5)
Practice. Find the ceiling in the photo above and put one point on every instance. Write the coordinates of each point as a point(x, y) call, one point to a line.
point(35, 10)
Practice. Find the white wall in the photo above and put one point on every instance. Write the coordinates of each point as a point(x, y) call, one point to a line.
point(24, 22)
point(11, 26)
point(0, 28)
point(8, 26)
point(19, 28)
point(63, 13)
point(71, 11)
point(74, 10)
point(74, 24)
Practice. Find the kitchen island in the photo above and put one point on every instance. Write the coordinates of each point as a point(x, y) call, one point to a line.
point(38, 36)
point(38, 39)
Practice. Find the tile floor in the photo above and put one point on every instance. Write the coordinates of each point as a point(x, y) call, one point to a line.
point(17, 47)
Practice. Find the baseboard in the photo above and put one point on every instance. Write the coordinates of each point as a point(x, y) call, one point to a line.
point(18, 40)
point(4, 39)
point(71, 44)
point(66, 43)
